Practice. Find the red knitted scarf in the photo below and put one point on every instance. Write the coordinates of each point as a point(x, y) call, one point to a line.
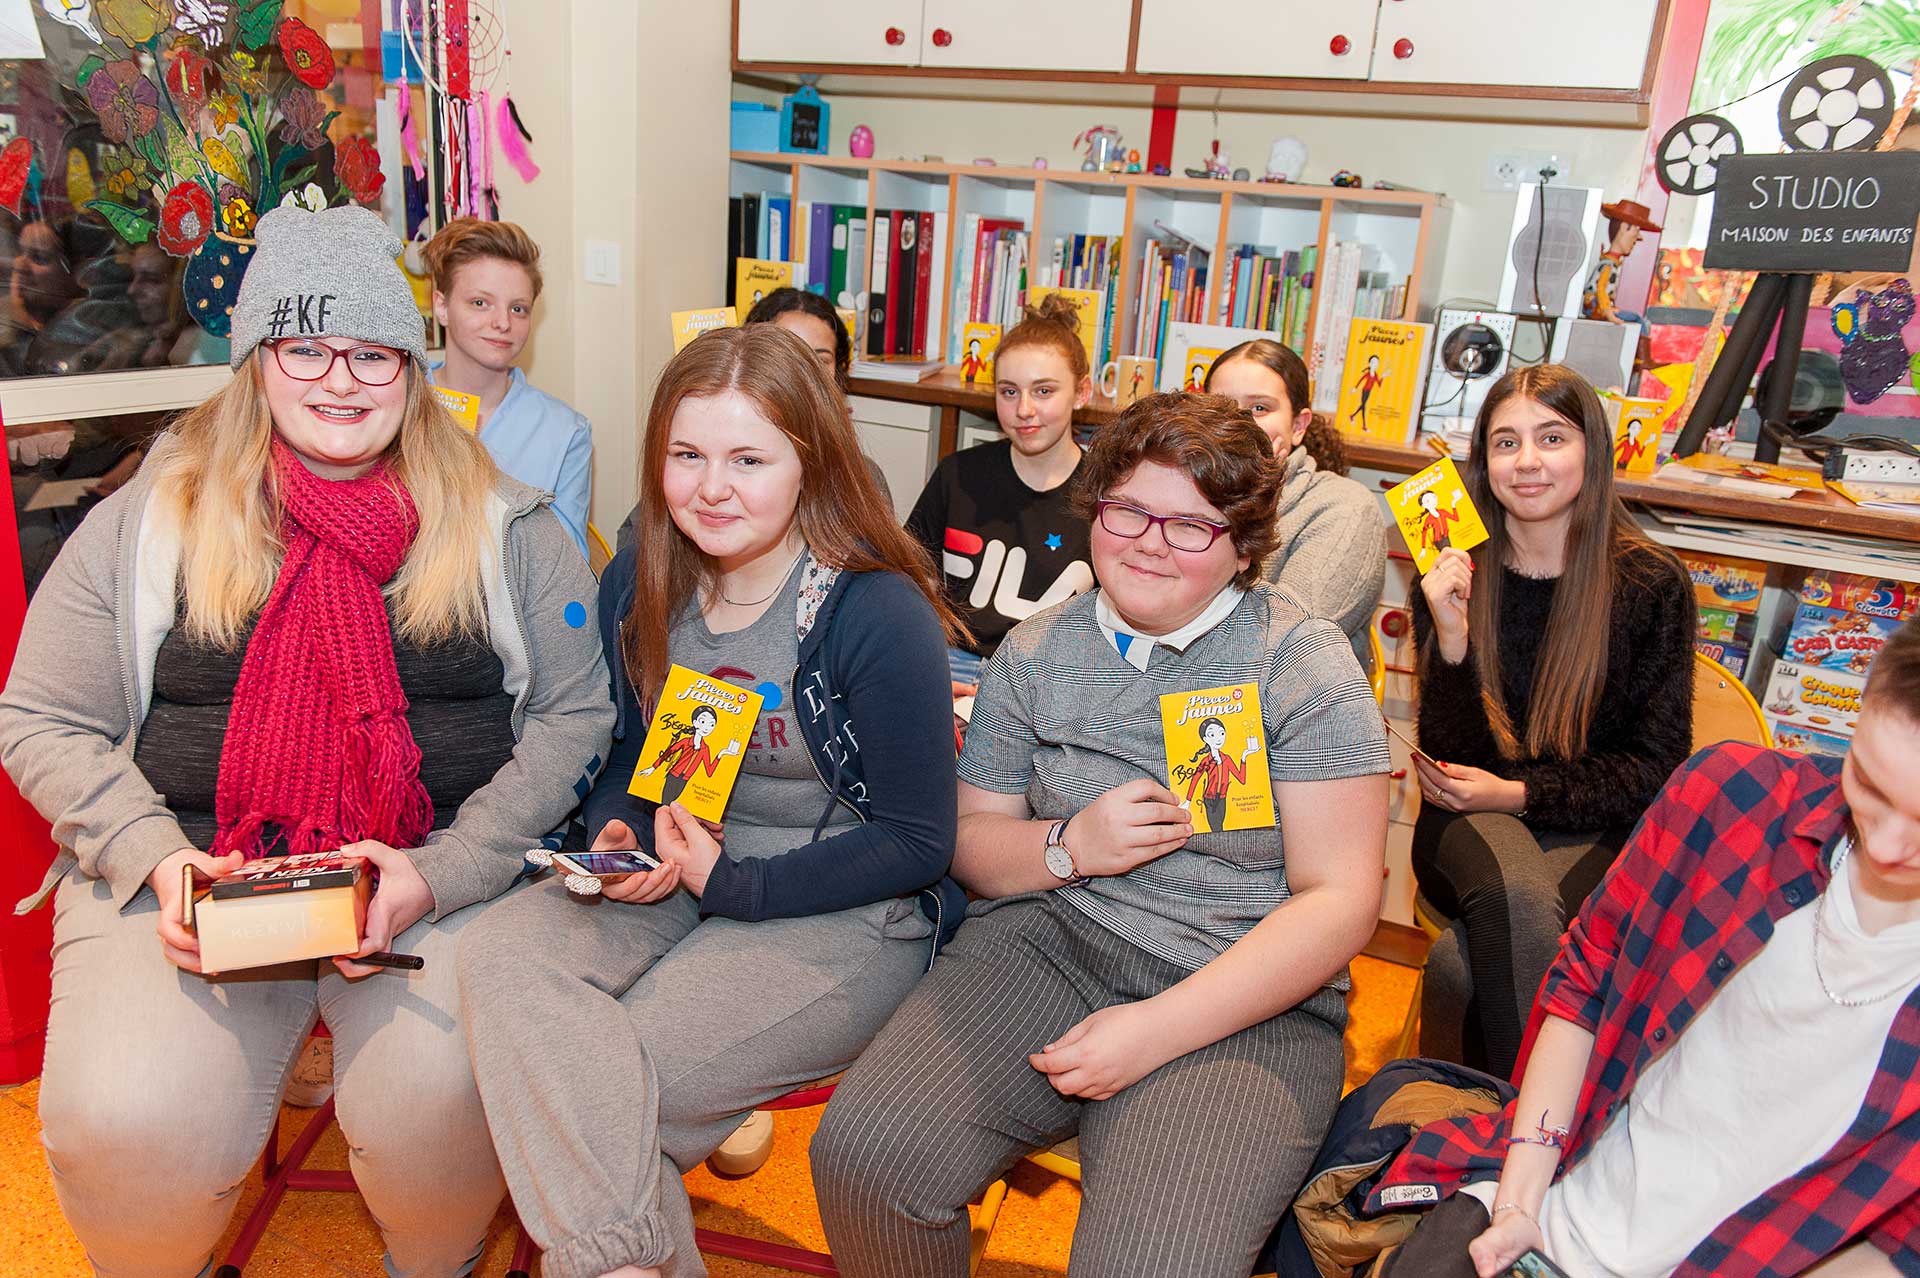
point(317, 749)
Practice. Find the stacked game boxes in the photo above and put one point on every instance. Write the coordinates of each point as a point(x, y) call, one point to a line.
point(1727, 592)
point(1841, 622)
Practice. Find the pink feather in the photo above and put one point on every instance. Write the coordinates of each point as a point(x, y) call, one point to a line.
point(512, 145)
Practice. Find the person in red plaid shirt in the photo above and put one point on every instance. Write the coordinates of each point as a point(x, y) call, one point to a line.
point(1726, 1079)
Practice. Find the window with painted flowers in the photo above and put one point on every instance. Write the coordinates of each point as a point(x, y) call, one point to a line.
point(137, 151)
point(137, 154)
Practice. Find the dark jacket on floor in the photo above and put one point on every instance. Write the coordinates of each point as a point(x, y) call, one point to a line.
point(1328, 1233)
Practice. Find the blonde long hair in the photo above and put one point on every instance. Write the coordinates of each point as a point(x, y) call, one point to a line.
point(213, 470)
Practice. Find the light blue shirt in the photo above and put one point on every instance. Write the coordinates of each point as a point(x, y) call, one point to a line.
point(542, 441)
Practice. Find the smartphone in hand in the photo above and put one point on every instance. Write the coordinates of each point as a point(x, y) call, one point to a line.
point(1533, 1264)
point(608, 867)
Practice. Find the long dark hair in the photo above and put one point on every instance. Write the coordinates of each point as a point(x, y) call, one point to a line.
point(782, 300)
point(847, 523)
point(1321, 441)
point(1603, 542)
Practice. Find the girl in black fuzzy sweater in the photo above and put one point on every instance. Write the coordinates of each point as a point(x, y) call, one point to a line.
point(1556, 696)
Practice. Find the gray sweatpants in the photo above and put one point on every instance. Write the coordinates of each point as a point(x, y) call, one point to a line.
point(618, 1045)
point(1185, 1172)
point(160, 1086)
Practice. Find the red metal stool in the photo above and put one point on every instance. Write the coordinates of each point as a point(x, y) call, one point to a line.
point(800, 1260)
point(289, 1171)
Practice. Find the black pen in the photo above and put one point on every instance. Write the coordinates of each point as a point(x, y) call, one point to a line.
point(387, 958)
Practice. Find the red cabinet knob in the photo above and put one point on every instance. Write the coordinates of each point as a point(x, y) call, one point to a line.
point(896, 36)
point(1403, 48)
point(1339, 46)
point(942, 37)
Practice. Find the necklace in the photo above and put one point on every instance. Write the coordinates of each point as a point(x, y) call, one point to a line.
point(1820, 926)
point(755, 603)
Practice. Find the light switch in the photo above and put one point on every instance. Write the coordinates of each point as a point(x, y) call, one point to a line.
point(603, 262)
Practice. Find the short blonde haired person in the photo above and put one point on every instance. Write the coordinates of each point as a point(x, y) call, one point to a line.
point(486, 279)
point(318, 618)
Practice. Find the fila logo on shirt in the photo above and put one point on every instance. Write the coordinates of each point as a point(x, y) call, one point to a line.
point(1000, 570)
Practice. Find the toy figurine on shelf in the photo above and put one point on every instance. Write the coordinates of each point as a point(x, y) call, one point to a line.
point(1102, 145)
point(1286, 160)
point(1213, 165)
point(1626, 220)
point(1133, 161)
point(860, 142)
point(1161, 170)
point(1347, 178)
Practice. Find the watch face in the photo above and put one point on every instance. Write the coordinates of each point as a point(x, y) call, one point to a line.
point(1059, 861)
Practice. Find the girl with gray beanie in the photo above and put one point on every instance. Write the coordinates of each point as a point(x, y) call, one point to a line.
point(317, 618)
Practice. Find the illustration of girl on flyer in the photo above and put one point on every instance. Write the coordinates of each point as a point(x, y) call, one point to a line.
point(687, 752)
point(1213, 771)
point(1627, 449)
point(1369, 381)
point(1436, 523)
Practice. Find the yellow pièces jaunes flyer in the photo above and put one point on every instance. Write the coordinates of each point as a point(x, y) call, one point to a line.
point(1217, 757)
point(692, 753)
point(1432, 511)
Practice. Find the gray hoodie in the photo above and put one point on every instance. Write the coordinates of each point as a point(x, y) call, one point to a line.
point(82, 683)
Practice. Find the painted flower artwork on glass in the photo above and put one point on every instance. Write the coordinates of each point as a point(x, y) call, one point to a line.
point(209, 113)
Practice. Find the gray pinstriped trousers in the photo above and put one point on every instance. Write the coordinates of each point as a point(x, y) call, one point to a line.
point(1183, 1173)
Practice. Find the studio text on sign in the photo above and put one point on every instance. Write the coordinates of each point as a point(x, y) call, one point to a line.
point(1813, 211)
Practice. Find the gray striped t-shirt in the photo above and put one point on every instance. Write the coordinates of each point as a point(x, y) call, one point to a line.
point(1063, 719)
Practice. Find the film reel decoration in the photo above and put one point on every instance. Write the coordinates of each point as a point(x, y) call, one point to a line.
point(1842, 103)
point(1688, 161)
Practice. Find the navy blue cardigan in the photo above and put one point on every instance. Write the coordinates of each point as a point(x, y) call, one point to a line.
point(874, 656)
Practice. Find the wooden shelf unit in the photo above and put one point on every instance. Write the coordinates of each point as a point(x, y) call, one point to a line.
point(1416, 220)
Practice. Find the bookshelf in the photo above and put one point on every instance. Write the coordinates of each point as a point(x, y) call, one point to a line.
point(1407, 229)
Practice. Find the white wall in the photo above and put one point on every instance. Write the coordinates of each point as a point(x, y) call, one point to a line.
point(627, 103)
point(1362, 134)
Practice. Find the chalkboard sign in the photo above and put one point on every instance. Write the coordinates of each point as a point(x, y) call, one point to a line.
point(803, 122)
point(1815, 211)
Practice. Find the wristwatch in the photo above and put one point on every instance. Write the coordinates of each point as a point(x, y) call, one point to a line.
point(1059, 859)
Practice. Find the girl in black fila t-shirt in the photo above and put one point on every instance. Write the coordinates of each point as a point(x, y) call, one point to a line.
point(995, 517)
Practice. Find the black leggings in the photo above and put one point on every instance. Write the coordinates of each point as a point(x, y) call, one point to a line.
point(1509, 894)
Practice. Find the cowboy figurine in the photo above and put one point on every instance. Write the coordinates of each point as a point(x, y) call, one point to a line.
point(1625, 221)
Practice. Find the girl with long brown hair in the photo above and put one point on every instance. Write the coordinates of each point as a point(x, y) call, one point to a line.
point(1333, 536)
point(765, 953)
point(1556, 695)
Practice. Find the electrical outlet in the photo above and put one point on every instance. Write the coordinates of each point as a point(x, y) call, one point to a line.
point(1506, 170)
point(1881, 467)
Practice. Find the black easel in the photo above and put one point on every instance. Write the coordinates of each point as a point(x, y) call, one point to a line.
point(1776, 300)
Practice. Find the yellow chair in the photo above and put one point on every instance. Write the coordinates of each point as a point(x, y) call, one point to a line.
point(1431, 924)
point(1723, 709)
point(1377, 667)
point(599, 553)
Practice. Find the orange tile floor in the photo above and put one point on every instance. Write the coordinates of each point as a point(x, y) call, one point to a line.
point(318, 1235)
